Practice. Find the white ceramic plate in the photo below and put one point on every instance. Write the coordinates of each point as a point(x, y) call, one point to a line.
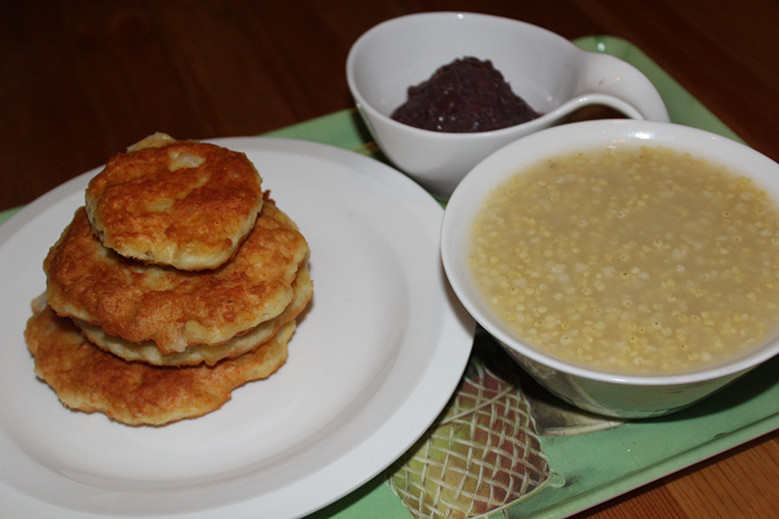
point(372, 363)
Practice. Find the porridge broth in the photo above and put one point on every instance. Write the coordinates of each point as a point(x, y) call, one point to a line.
point(635, 260)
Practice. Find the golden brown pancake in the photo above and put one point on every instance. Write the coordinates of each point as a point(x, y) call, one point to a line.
point(89, 379)
point(172, 308)
point(181, 203)
point(210, 354)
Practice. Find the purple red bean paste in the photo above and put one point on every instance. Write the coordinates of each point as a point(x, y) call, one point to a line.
point(466, 95)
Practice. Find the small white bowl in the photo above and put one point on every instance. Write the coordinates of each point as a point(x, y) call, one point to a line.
point(550, 73)
point(602, 392)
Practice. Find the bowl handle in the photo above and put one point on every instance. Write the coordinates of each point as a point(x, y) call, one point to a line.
point(607, 80)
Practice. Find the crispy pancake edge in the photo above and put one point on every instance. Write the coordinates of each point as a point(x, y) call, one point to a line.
point(209, 354)
point(88, 379)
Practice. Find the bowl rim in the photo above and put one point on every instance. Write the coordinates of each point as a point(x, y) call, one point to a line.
point(466, 16)
point(491, 171)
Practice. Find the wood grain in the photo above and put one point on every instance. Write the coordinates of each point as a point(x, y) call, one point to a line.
point(83, 79)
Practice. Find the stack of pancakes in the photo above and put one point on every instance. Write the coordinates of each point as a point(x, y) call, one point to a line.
point(178, 281)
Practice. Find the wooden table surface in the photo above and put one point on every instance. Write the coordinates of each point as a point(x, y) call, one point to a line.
point(83, 79)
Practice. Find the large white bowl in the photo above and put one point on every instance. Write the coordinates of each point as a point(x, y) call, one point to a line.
point(612, 394)
point(554, 76)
